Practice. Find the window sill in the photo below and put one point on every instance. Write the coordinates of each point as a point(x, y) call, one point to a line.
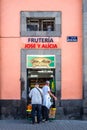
point(40, 34)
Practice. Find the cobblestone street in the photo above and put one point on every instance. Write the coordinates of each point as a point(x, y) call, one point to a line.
point(53, 125)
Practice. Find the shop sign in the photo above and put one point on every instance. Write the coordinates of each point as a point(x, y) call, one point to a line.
point(40, 61)
point(43, 46)
point(40, 43)
point(43, 40)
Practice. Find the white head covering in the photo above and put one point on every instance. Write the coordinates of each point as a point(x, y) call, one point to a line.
point(48, 82)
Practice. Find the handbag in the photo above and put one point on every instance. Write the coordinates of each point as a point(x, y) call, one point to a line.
point(48, 102)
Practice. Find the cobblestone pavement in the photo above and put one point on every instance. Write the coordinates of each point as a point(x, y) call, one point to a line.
point(52, 125)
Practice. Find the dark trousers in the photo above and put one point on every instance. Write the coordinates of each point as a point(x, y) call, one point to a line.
point(36, 111)
point(45, 113)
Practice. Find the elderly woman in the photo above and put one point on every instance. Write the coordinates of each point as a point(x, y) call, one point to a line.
point(46, 100)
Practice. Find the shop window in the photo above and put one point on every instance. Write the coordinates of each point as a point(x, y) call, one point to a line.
point(40, 24)
point(32, 24)
point(48, 25)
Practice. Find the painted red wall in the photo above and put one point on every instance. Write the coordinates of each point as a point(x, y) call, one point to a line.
point(71, 52)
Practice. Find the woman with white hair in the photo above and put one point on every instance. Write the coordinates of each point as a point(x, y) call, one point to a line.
point(47, 94)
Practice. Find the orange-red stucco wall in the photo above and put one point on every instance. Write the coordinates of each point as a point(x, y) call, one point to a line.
point(71, 52)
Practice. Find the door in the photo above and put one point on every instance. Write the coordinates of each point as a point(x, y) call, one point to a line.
point(40, 76)
point(26, 70)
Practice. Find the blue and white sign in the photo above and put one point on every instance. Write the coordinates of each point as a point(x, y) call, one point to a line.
point(72, 38)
